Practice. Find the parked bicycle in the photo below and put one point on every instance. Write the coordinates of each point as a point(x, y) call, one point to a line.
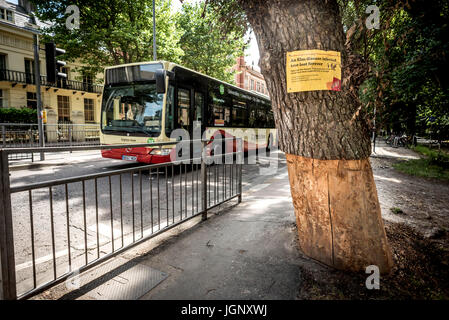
point(397, 141)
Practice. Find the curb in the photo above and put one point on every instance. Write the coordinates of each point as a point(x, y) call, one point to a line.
point(49, 163)
point(35, 166)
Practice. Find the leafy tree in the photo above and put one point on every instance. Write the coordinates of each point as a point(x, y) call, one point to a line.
point(323, 133)
point(112, 32)
point(408, 63)
point(206, 48)
point(120, 31)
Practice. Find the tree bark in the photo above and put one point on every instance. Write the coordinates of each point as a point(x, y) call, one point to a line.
point(324, 136)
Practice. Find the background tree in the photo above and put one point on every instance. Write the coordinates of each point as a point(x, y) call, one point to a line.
point(112, 32)
point(121, 31)
point(407, 58)
point(206, 48)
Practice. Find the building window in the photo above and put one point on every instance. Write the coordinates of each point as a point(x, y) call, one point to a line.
point(63, 81)
point(9, 16)
point(89, 113)
point(31, 100)
point(3, 101)
point(63, 108)
point(262, 88)
point(252, 84)
point(6, 14)
point(87, 82)
point(29, 70)
point(2, 61)
point(87, 78)
point(258, 86)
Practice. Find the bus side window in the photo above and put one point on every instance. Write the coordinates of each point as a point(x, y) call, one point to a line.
point(227, 116)
point(252, 119)
point(199, 105)
point(261, 117)
point(238, 113)
point(170, 113)
point(270, 122)
point(220, 112)
point(183, 108)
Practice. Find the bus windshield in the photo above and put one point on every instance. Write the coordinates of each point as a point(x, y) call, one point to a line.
point(135, 108)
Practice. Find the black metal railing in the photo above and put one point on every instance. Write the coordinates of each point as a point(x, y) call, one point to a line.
point(28, 78)
point(55, 229)
point(22, 135)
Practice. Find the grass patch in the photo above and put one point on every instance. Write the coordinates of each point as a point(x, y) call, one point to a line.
point(435, 165)
point(396, 210)
point(432, 154)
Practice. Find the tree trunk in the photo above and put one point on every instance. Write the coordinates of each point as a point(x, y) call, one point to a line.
point(324, 136)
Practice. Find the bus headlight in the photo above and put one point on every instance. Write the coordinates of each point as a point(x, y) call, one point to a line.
point(161, 152)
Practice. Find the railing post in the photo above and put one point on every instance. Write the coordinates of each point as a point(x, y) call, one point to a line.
point(239, 160)
point(4, 135)
point(7, 263)
point(70, 136)
point(204, 179)
point(31, 135)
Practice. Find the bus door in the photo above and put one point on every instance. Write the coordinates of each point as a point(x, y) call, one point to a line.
point(183, 109)
point(190, 111)
point(199, 122)
point(198, 111)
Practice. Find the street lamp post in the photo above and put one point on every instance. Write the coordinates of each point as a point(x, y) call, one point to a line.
point(154, 32)
point(37, 79)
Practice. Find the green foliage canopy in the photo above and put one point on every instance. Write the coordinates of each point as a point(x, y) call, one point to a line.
point(120, 31)
point(408, 60)
point(112, 32)
point(206, 48)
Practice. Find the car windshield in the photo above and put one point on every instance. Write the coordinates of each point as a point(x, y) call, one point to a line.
point(135, 108)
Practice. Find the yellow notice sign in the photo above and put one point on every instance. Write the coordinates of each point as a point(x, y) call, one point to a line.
point(312, 70)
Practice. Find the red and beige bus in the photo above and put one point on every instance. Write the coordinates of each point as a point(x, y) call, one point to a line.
point(145, 102)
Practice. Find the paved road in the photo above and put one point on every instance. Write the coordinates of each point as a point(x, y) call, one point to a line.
point(129, 213)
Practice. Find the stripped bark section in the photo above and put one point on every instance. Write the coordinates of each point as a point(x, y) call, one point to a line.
point(338, 214)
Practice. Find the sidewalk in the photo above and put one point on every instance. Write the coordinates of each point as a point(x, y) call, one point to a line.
point(246, 251)
point(249, 252)
point(383, 150)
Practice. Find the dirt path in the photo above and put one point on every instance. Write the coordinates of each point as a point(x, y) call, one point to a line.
point(424, 202)
point(418, 236)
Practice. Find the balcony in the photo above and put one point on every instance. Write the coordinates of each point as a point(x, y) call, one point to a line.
point(17, 77)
